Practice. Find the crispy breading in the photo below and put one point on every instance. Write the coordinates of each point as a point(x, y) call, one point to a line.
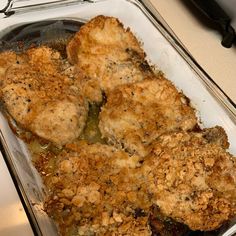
point(107, 55)
point(94, 188)
point(38, 93)
point(136, 114)
point(99, 189)
point(7, 59)
point(192, 180)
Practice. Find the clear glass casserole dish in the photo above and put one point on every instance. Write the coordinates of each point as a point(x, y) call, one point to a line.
point(162, 48)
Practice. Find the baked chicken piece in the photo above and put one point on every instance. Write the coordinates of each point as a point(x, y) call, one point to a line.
point(94, 190)
point(38, 91)
point(136, 114)
point(192, 179)
point(101, 190)
point(107, 55)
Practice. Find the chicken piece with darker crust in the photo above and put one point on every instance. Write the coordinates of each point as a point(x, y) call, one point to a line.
point(136, 114)
point(38, 93)
point(108, 55)
point(192, 179)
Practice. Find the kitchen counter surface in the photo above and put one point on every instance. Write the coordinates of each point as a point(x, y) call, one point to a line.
point(201, 42)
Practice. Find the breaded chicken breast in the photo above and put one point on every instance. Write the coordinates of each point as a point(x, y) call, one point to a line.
point(38, 92)
point(98, 189)
point(136, 114)
point(192, 179)
point(107, 55)
point(94, 190)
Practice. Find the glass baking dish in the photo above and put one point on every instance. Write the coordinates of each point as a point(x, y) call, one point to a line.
point(163, 50)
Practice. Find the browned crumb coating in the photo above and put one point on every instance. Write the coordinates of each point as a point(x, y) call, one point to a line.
point(38, 91)
point(136, 114)
point(98, 188)
point(108, 55)
point(192, 179)
point(95, 190)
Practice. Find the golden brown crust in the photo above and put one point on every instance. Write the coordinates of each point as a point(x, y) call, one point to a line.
point(99, 188)
point(107, 55)
point(192, 180)
point(94, 188)
point(136, 114)
point(6, 60)
point(40, 96)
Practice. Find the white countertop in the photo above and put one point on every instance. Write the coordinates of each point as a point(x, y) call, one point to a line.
point(205, 47)
point(13, 221)
point(202, 42)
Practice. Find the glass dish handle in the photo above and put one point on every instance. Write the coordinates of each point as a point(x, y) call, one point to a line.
point(9, 7)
